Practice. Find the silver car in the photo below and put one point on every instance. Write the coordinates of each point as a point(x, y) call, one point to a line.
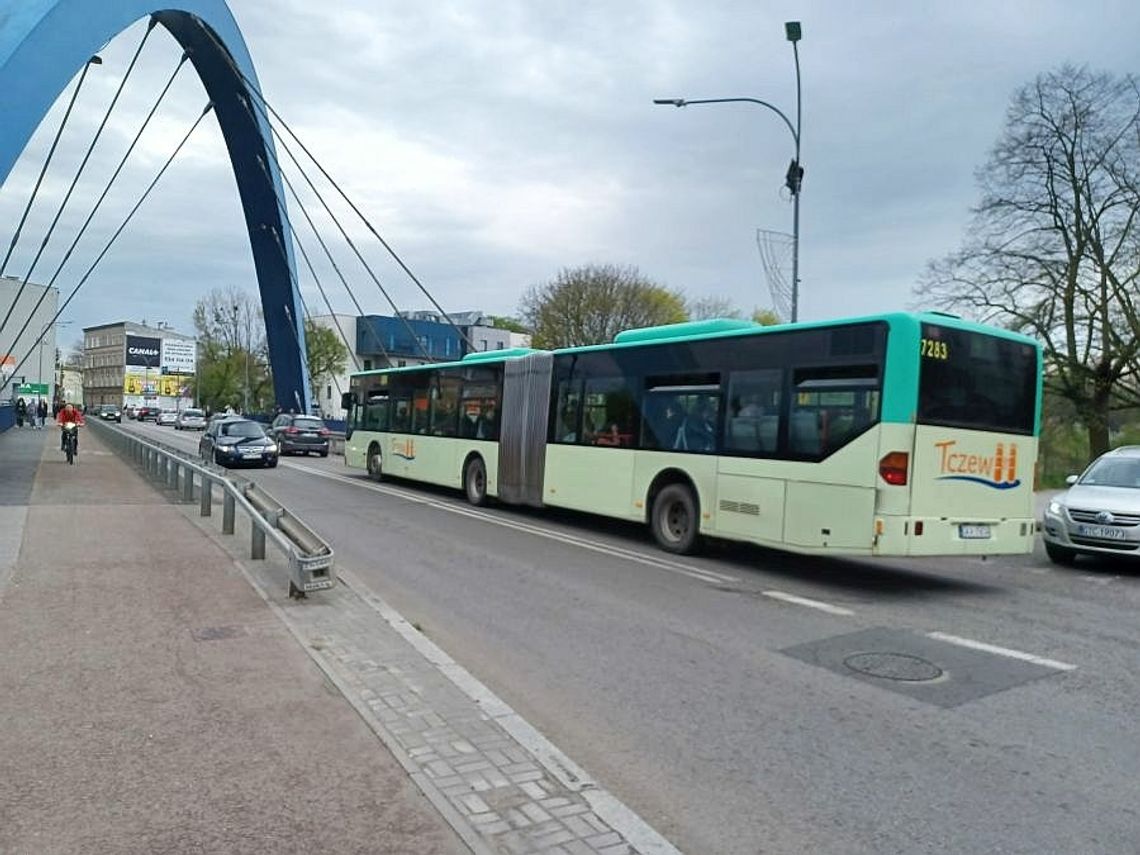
point(190, 419)
point(1100, 512)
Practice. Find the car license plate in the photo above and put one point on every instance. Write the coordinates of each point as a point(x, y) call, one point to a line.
point(252, 455)
point(974, 532)
point(1104, 532)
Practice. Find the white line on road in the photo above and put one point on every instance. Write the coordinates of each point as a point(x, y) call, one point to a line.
point(710, 576)
point(1001, 651)
point(805, 601)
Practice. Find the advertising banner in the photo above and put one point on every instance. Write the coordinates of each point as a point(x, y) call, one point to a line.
point(144, 351)
point(178, 356)
point(152, 383)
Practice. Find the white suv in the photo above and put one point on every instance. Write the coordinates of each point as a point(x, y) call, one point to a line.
point(1100, 512)
point(166, 417)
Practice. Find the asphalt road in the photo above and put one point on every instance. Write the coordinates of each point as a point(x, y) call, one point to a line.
point(746, 701)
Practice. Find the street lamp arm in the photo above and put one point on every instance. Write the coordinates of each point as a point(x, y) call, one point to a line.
point(684, 102)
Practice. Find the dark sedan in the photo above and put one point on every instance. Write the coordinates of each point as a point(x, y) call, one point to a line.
point(236, 442)
point(304, 434)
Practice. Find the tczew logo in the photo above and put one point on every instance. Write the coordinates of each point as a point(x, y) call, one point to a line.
point(404, 448)
point(997, 471)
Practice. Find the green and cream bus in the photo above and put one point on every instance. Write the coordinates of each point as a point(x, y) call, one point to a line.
point(897, 434)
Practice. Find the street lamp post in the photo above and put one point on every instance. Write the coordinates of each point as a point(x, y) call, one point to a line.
point(795, 176)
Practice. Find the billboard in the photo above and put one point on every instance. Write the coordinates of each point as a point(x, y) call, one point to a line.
point(179, 356)
point(143, 350)
point(153, 383)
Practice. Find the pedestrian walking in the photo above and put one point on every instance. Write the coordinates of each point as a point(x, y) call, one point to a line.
point(21, 412)
point(41, 413)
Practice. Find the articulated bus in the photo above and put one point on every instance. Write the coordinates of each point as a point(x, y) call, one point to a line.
point(892, 435)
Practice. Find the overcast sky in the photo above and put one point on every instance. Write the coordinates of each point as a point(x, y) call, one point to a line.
point(494, 143)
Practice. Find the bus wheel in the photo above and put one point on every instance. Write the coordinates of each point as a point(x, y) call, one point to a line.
point(375, 463)
point(1060, 555)
point(475, 481)
point(674, 519)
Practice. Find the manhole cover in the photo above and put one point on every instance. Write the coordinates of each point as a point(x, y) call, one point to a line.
point(893, 666)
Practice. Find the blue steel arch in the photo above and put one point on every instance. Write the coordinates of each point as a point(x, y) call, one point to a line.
point(43, 42)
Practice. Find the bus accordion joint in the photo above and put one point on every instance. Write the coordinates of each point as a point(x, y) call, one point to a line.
point(893, 466)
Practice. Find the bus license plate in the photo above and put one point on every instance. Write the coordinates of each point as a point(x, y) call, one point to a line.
point(1104, 532)
point(974, 532)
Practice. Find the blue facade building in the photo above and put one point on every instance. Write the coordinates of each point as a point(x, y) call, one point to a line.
point(378, 336)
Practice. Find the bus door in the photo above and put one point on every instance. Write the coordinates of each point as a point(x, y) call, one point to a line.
point(749, 501)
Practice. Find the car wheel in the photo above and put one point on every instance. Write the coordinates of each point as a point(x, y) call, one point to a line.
point(1060, 555)
point(271, 464)
point(475, 481)
point(218, 459)
point(674, 520)
point(325, 453)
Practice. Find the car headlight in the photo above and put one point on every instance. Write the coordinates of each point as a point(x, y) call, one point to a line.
point(1055, 508)
point(271, 447)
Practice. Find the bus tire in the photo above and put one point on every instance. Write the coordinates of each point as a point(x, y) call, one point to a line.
point(1059, 554)
point(475, 481)
point(375, 462)
point(674, 519)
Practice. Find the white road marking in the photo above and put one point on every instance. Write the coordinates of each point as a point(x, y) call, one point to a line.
point(805, 601)
point(1001, 651)
point(710, 576)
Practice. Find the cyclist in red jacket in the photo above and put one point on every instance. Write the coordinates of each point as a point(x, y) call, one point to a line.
point(68, 414)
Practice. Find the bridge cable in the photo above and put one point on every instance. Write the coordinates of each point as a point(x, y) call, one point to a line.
point(94, 60)
point(83, 280)
point(344, 234)
point(328, 254)
point(103, 195)
point(252, 87)
point(79, 172)
point(340, 227)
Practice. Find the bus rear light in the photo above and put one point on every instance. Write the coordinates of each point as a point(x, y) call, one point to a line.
point(893, 466)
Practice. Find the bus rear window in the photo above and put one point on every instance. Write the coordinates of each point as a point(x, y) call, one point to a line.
point(976, 381)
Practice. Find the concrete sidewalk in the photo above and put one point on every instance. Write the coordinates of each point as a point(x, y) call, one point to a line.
point(150, 701)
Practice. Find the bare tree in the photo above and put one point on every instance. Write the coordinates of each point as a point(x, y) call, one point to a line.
point(704, 308)
point(591, 304)
point(1054, 246)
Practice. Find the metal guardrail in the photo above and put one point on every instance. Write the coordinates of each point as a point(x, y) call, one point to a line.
point(310, 559)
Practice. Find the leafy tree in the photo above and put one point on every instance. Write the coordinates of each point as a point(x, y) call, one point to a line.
point(765, 317)
point(514, 325)
point(1054, 246)
point(326, 353)
point(591, 304)
point(233, 358)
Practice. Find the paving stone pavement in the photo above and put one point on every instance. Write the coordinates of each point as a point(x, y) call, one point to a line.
point(504, 788)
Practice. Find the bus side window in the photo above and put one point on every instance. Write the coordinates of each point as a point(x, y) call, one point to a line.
point(609, 413)
point(373, 415)
point(401, 412)
point(568, 411)
point(753, 417)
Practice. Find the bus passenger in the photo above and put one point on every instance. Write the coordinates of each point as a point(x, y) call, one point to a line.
point(610, 436)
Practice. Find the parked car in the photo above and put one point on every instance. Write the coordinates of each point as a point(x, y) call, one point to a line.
point(303, 434)
point(166, 417)
point(236, 441)
point(190, 419)
point(109, 413)
point(1100, 512)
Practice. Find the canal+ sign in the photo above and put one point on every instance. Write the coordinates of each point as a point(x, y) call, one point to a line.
point(142, 350)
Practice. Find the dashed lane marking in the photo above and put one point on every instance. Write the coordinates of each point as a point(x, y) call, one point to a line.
point(808, 602)
point(1001, 651)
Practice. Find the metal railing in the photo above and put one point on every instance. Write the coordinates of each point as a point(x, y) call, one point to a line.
point(310, 558)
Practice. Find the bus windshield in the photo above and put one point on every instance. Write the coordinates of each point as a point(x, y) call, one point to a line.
point(976, 381)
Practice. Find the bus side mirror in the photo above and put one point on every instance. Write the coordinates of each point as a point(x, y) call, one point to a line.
point(347, 399)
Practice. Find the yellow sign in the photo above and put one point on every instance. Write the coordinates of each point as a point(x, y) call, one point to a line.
point(166, 385)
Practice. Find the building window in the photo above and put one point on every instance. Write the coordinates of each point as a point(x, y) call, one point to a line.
point(368, 365)
point(328, 392)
